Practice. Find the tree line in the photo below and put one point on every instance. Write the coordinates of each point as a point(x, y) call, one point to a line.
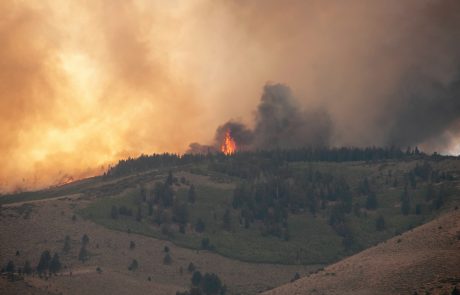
point(268, 157)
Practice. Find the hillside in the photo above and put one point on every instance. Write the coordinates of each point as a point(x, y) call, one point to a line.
point(32, 228)
point(289, 212)
point(425, 260)
point(286, 213)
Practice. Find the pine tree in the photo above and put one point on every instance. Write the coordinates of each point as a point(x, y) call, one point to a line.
point(143, 193)
point(134, 265)
point(114, 212)
point(196, 278)
point(429, 192)
point(85, 240)
point(55, 264)
point(170, 179)
point(10, 267)
point(371, 201)
point(200, 226)
point(66, 247)
point(191, 267)
point(139, 214)
point(150, 208)
point(380, 223)
point(211, 284)
point(27, 269)
point(167, 259)
point(83, 255)
point(205, 243)
point(44, 263)
point(191, 196)
point(227, 220)
point(405, 202)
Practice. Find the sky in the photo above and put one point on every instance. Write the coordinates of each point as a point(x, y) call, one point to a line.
point(86, 83)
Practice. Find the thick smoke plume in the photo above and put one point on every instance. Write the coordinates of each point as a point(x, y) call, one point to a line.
point(427, 108)
point(280, 123)
point(85, 83)
point(382, 73)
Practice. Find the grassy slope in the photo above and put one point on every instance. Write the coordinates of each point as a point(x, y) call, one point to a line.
point(421, 261)
point(312, 239)
point(68, 189)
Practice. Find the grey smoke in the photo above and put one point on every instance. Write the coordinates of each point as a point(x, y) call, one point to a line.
point(382, 73)
point(425, 110)
point(280, 122)
point(243, 136)
point(426, 102)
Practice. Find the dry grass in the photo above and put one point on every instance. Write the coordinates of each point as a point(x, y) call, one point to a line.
point(425, 259)
point(49, 222)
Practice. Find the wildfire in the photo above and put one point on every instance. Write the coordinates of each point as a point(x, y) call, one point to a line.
point(229, 145)
point(66, 179)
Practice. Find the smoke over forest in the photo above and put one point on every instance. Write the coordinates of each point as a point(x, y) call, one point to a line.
point(279, 123)
point(112, 79)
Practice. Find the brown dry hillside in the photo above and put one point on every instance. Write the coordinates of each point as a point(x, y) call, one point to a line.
point(425, 260)
point(35, 226)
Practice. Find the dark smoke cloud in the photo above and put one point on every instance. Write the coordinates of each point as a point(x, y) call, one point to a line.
point(384, 71)
point(426, 109)
point(280, 122)
point(157, 74)
point(243, 136)
point(425, 106)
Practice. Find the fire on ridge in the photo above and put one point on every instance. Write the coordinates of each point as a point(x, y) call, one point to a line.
point(228, 147)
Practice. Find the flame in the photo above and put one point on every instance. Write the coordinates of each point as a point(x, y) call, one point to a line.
point(229, 145)
point(65, 180)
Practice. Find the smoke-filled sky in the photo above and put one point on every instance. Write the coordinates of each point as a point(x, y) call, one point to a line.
point(85, 83)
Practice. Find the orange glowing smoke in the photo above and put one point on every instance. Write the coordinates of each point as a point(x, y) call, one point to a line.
point(229, 145)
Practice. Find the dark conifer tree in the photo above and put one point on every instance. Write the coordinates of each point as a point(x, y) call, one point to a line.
point(371, 201)
point(10, 267)
point(405, 202)
point(227, 220)
point(114, 212)
point(55, 264)
point(191, 195)
point(380, 223)
point(85, 240)
point(66, 247)
point(83, 255)
point(196, 278)
point(27, 269)
point(44, 263)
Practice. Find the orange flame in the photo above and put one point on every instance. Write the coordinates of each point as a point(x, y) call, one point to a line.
point(229, 145)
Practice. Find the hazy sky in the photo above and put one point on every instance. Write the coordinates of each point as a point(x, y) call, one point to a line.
point(85, 83)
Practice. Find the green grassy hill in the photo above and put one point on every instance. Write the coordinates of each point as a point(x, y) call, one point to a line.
point(307, 219)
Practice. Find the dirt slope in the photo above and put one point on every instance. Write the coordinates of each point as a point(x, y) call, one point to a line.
point(37, 226)
point(425, 259)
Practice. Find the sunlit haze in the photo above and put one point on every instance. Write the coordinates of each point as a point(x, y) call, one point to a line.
point(86, 83)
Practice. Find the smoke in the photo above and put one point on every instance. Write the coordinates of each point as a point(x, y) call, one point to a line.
point(82, 85)
point(85, 83)
point(424, 107)
point(240, 133)
point(427, 109)
point(280, 122)
point(380, 73)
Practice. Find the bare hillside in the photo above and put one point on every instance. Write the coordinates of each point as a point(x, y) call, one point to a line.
point(33, 227)
point(425, 260)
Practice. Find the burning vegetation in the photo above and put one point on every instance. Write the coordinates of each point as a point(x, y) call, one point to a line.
point(228, 147)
